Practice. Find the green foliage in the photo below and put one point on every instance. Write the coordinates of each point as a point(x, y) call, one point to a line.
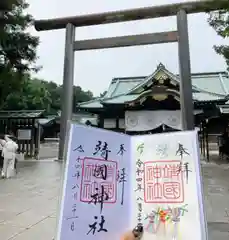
point(219, 20)
point(18, 91)
point(18, 47)
point(80, 96)
point(17, 50)
point(36, 94)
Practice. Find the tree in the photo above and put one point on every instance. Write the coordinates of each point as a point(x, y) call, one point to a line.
point(55, 95)
point(17, 50)
point(219, 20)
point(33, 95)
point(80, 96)
point(39, 94)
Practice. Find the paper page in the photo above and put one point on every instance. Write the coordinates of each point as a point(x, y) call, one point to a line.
point(96, 201)
point(168, 200)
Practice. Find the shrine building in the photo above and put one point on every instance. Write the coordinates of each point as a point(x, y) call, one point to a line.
point(150, 104)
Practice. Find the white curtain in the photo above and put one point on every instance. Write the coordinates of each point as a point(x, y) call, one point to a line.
point(109, 123)
point(148, 120)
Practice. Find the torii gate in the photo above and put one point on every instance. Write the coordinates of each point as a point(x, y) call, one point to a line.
point(181, 36)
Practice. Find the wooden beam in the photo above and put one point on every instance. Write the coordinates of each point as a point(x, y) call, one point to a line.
point(131, 14)
point(126, 41)
point(2, 13)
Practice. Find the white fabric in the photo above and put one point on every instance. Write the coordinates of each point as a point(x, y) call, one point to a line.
point(109, 123)
point(8, 168)
point(148, 120)
point(9, 154)
point(9, 149)
point(2, 143)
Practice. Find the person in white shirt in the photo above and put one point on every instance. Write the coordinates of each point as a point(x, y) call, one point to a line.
point(9, 153)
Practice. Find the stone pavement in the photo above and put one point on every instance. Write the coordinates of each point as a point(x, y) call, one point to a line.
point(48, 150)
point(216, 194)
point(28, 203)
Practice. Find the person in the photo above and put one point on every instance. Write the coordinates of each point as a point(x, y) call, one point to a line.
point(128, 236)
point(9, 154)
point(135, 234)
point(2, 143)
point(223, 143)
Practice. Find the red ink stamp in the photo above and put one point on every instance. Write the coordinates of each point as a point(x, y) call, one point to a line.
point(95, 174)
point(163, 182)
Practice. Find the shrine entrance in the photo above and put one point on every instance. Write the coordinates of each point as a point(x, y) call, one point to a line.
point(181, 36)
point(24, 127)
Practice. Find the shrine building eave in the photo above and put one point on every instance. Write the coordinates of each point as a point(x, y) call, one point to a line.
point(208, 88)
point(93, 106)
point(100, 105)
point(224, 108)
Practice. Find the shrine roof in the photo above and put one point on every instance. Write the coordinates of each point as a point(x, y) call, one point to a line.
point(205, 96)
point(197, 96)
point(95, 103)
point(22, 114)
point(224, 109)
point(76, 117)
point(209, 86)
point(212, 82)
point(122, 85)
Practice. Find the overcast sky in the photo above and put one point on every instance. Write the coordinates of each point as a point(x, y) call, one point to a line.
point(95, 69)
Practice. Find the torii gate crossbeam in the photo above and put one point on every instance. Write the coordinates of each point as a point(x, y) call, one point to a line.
point(131, 14)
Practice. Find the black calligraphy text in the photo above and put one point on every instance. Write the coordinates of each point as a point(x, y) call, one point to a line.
point(93, 226)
